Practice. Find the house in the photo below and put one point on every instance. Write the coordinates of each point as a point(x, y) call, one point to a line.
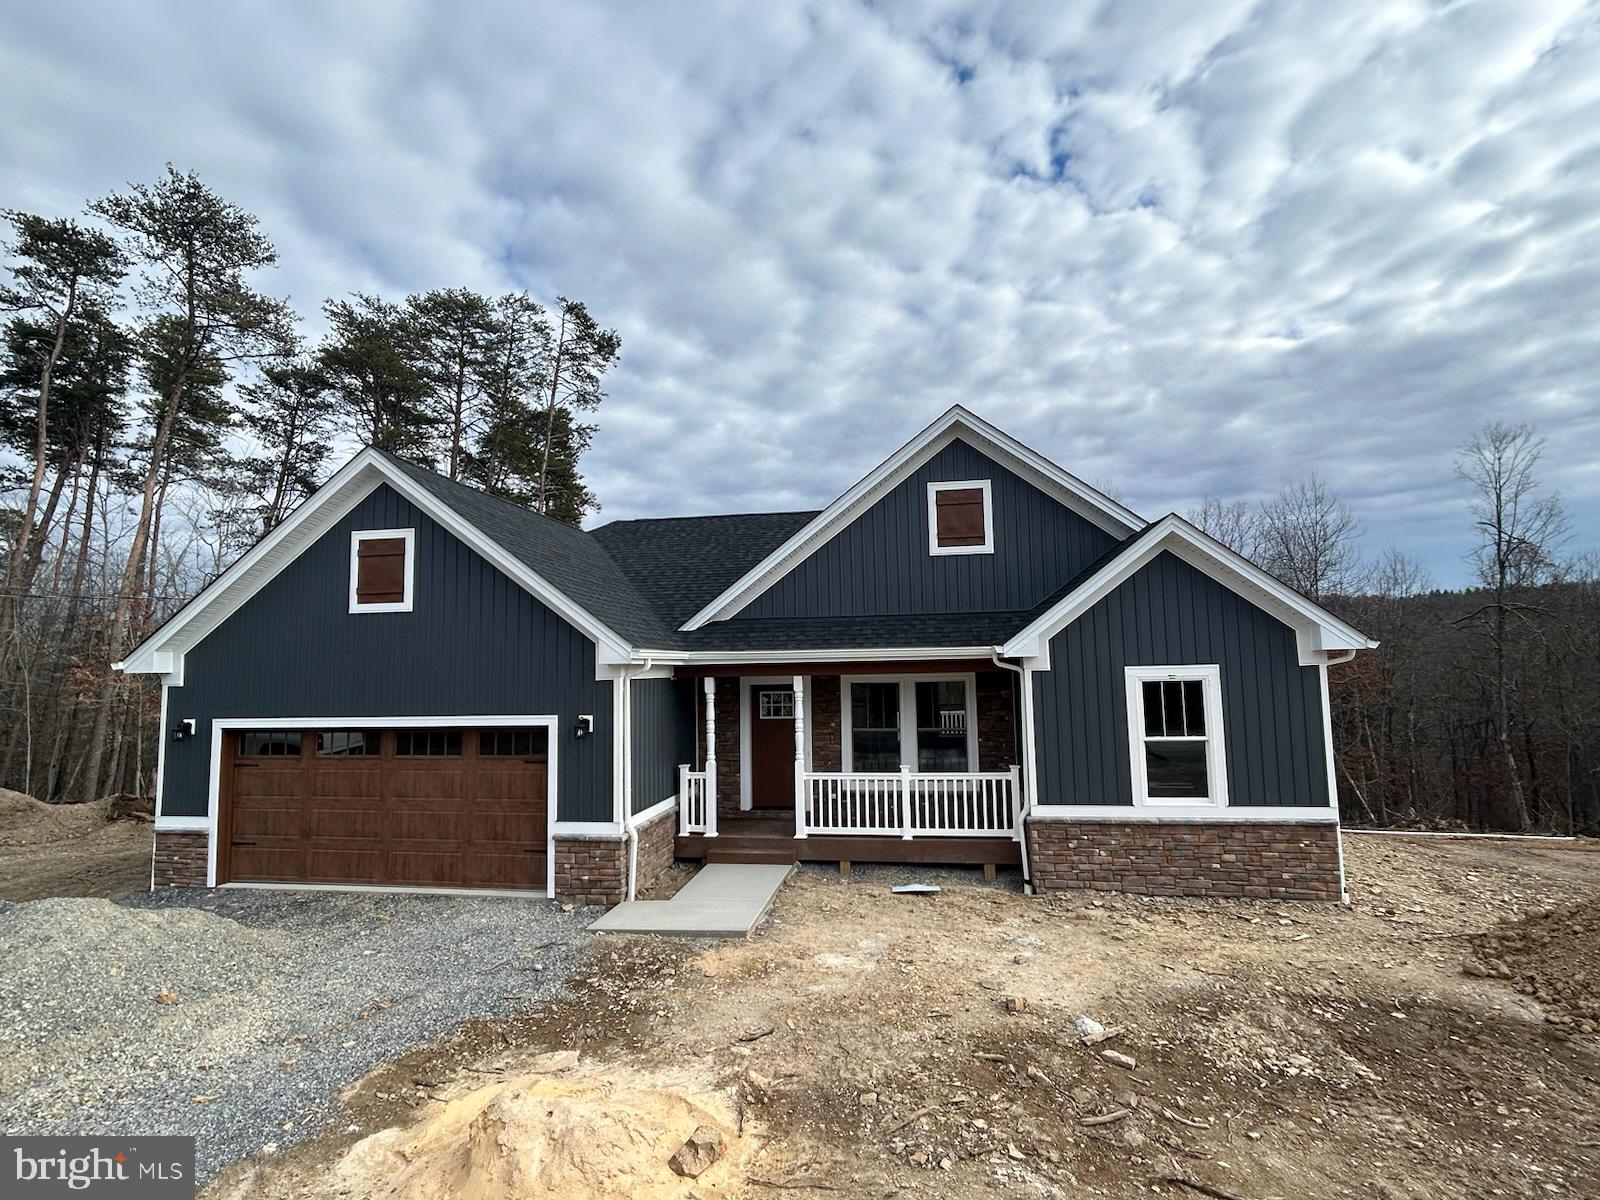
point(971, 656)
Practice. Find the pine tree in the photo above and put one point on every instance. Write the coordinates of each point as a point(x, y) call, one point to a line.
point(370, 362)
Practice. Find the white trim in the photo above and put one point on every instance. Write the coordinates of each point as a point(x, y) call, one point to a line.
point(1318, 631)
point(599, 831)
point(220, 725)
point(1030, 748)
point(955, 423)
point(862, 654)
point(1333, 778)
point(645, 816)
point(746, 804)
point(908, 729)
point(182, 824)
point(1189, 814)
point(409, 536)
point(1209, 677)
point(965, 485)
point(324, 509)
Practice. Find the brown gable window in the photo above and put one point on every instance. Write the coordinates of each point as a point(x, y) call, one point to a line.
point(381, 566)
point(959, 518)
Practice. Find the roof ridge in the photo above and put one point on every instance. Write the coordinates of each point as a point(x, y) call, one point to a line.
point(782, 512)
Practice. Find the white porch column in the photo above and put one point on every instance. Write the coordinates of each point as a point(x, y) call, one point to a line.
point(711, 755)
point(799, 756)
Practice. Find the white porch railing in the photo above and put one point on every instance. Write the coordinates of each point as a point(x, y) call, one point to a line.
point(910, 804)
point(697, 808)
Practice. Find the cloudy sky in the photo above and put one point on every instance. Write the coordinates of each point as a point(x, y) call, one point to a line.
point(1180, 248)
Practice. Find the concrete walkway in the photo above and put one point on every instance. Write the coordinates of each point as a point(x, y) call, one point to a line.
point(722, 900)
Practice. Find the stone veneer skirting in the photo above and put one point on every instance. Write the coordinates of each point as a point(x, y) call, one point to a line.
point(1248, 859)
point(657, 843)
point(180, 858)
point(591, 870)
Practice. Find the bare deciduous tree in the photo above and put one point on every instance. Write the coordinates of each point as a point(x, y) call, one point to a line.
point(1306, 537)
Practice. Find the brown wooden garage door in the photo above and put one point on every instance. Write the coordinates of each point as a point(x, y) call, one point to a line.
point(447, 807)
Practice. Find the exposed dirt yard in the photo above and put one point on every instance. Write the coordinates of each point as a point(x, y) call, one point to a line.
point(98, 849)
point(865, 1044)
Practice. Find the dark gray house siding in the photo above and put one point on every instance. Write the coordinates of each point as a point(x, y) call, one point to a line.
point(663, 737)
point(474, 644)
point(880, 563)
point(1170, 614)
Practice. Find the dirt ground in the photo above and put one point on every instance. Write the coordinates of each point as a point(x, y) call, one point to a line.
point(97, 849)
point(865, 1044)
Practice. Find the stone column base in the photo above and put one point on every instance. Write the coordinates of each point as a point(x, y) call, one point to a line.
point(1248, 859)
point(180, 858)
point(591, 870)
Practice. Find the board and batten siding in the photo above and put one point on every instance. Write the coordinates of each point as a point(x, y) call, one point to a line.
point(1170, 614)
point(879, 564)
point(663, 737)
point(474, 644)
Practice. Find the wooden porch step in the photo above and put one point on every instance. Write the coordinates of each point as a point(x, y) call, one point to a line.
point(736, 854)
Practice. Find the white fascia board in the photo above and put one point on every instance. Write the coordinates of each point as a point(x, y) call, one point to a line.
point(348, 486)
point(865, 654)
point(1317, 631)
point(1093, 505)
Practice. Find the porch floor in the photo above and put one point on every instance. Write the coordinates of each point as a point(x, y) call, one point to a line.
point(722, 900)
point(770, 840)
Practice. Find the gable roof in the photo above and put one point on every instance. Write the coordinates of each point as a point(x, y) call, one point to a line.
point(1317, 631)
point(572, 560)
point(536, 553)
point(955, 423)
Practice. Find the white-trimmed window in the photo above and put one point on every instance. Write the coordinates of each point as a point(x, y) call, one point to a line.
point(382, 569)
point(1175, 735)
point(927, 723)
point(960, 517)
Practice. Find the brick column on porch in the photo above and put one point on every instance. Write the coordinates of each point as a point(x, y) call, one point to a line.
point(997, 721)
point(826, 751)
point(728, 746)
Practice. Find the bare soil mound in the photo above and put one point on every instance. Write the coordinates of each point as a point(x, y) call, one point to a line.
point(1553, 955)
point(584, 1136)
point(25, 821)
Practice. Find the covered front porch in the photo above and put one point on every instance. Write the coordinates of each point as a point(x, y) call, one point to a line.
point(854, 761)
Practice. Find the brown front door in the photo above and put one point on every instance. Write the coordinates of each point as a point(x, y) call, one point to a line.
point(444, 807)
point(772, 746)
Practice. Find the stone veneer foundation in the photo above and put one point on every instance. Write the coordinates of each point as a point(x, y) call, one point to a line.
point(658, 839)
point(180, 858)
point(591, 870)
point(1252, 860)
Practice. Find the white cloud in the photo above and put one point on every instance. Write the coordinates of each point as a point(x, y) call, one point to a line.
point(1179, 248)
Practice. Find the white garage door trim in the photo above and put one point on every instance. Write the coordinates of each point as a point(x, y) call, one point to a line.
point(221, 725)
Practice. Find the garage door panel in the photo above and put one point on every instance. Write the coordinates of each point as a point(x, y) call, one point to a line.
point(528, 784)
point(346, 864)
point(387, 819)
point(268, 864)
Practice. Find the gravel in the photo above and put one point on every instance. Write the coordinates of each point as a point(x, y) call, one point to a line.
point(238, 1016)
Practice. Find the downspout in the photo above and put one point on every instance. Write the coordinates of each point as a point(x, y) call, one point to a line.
point(1333, 773)
point(627, 777)
point(1022, 808)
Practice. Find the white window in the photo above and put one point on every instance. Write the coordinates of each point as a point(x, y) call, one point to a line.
point(927, 723)
point(1175, 735)
point(960, 518)
point(382, 570)
point(777, 706)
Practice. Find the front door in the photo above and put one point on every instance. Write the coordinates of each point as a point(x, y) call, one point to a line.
point(772, 746)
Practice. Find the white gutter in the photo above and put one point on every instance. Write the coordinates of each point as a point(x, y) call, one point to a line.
point(1022, 812)
point(628, 823)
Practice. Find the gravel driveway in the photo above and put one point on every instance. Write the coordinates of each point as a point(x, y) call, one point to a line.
point(230, 1014)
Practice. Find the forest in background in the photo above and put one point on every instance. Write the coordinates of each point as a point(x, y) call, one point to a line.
point(167, 411)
